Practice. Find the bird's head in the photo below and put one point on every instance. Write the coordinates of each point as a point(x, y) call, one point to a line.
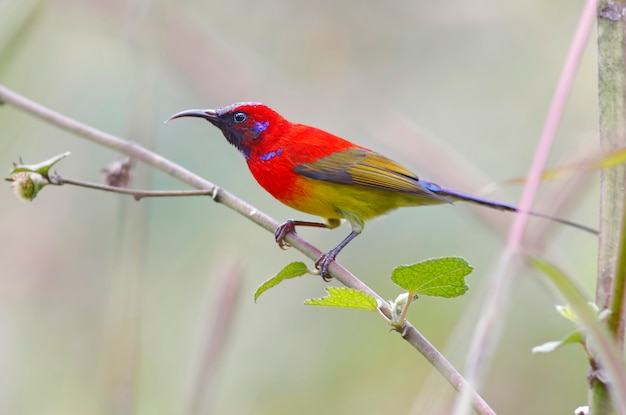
point(243, 124)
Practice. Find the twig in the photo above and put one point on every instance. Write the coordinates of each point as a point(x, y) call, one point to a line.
point(409, 333)
point(136, 193)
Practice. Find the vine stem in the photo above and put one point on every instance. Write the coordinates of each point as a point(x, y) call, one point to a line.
point(220, 195)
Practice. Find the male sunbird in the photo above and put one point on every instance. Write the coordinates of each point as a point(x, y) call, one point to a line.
point(321, 174)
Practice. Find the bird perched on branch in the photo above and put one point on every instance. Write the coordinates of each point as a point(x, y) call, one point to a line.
point(321, 174)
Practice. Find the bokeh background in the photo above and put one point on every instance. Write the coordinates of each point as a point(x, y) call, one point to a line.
point(106, 304)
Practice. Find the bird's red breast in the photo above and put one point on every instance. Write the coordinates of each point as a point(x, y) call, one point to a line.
point(273, 161)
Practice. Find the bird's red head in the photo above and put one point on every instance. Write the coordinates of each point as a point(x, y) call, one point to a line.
point(243, 124)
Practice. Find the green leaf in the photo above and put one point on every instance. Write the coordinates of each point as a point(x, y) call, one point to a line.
point(345, 298)
point(605, 349)
point(596, 162)
point(566, 311)
point(42, 168)
point(578, 336)
point(574, 337)
point(441, 277)
point(293, 270)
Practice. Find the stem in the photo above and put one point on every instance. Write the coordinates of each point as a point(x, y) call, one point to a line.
point(611, 257)
point(616, 318)
point(612, 90)
point(405, 309)
point(409, 333)
point(136, 193)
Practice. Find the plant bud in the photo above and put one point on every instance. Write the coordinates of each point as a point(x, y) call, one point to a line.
point(26, 185)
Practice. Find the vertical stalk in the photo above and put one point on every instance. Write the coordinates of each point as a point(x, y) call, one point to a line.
point(612, 87)
point(612, 93)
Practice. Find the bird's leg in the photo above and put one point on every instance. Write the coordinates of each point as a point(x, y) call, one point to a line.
point(324, 261)
point(290, 226)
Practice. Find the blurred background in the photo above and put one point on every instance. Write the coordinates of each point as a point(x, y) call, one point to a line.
point(107, 305)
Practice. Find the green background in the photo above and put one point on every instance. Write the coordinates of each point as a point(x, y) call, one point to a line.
point(106, 303)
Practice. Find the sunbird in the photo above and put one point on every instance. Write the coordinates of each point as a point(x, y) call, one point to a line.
point(319, 173)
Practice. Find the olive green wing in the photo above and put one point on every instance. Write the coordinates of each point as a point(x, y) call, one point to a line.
point(358, 166)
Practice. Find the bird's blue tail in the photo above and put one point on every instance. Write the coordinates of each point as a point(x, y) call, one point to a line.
point(455, 195)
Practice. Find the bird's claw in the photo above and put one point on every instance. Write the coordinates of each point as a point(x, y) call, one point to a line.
point(282, 231)
point(322, 264)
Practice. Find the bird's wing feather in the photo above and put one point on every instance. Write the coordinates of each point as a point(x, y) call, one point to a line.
point(358, 166)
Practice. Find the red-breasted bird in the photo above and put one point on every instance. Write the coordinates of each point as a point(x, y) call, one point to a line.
point(321, 174)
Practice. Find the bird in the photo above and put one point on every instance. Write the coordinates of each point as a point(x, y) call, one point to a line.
point(316, 172)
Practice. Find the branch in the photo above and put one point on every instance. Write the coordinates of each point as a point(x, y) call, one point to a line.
point(409, 332)
point(138, 194)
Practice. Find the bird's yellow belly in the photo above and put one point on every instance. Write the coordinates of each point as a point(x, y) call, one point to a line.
point(351, 202)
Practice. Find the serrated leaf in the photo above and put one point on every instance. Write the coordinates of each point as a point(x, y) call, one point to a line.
point(441, 277)
point(293, 270)
point(42, 168)
point(574, 337)
point(345, 298)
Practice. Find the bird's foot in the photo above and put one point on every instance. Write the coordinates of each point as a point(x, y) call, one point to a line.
point(322, 264)
point(282, 231)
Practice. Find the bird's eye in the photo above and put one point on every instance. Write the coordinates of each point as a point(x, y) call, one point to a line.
point(239, 117)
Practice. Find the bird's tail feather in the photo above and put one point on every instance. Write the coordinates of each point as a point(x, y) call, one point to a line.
point(455, 195)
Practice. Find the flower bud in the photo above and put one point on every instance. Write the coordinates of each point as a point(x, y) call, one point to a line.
point(26, 185)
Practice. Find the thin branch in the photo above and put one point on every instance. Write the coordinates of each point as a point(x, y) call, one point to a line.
point(136, 193)
point(409, 332)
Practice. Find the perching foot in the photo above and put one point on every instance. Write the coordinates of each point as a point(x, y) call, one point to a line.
point(322, 264)
point(282, 231)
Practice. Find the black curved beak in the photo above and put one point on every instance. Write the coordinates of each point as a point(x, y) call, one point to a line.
point(208, 114)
